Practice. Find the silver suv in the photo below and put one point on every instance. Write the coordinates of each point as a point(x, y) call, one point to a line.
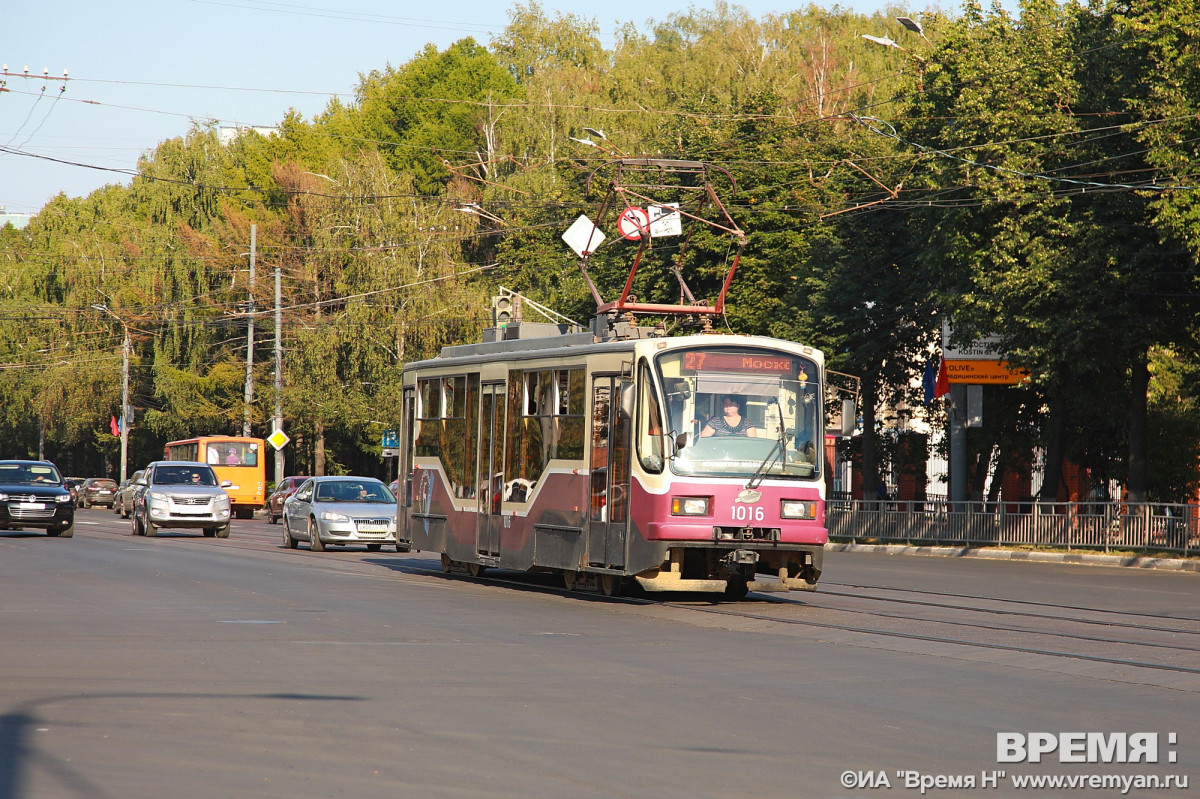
point(181, 494)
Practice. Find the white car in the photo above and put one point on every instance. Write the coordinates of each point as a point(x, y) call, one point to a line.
point(340, 510)
point(181, 495)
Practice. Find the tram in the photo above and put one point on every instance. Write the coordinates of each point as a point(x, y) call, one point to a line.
point(563, 453)
point(619, 454)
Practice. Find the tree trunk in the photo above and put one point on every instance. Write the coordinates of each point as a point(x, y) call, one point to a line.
point(1139, 385)
point(997, 480)
point(983, 463)
point(1056, 434)
point(870, 466)
point(318, 448)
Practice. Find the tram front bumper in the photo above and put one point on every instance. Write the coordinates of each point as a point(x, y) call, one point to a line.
point(666, 581)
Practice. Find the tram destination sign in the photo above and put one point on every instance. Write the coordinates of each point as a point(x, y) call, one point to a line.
point(731, 362)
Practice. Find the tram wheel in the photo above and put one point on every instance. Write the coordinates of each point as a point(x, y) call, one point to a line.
point(611, 584)
point(447, 564)
point(476, 569)
point(570, 579)
point(736, 589)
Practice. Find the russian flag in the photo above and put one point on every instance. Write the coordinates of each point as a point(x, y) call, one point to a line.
point(942, 387)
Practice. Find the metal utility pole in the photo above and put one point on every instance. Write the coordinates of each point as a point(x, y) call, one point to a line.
point(250, 337)
point(125, 414)
point(277, 422)
point(126, 348)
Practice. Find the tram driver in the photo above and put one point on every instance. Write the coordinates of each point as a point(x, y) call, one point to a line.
point(732, 421)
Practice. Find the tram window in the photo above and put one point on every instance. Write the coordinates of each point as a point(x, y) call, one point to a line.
point(427, 405)
point(453, 397)
point(649, 423)
point(562, 381)
point(531, 393)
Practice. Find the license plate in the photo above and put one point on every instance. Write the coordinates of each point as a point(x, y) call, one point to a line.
point(31, 506)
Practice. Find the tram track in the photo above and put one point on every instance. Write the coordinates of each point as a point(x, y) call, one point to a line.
point(708, 607)
point(822, 614)
point(1006, 600)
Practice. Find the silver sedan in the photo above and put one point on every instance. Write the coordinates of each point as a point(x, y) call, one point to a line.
point(340, 510)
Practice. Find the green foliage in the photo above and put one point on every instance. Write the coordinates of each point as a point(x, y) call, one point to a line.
point(1009, 171)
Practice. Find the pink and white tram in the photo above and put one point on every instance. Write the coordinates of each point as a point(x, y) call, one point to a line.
point(548, 451)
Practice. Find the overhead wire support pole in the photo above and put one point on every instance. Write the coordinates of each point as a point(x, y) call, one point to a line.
point(278, 420)
point(126, 348)
point(249, 399)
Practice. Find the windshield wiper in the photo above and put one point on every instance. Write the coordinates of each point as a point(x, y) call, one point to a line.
point(777, 450)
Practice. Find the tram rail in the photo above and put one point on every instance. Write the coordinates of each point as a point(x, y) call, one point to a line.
point(867, 613)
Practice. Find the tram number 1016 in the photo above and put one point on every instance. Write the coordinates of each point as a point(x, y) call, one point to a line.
point(745, 513)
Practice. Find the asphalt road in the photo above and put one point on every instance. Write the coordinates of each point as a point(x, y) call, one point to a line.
point(182, 666)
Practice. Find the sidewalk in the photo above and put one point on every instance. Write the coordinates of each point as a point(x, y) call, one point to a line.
point(1086, 559)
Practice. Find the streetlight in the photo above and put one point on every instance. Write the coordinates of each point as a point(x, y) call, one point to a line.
point(887, 41)
point(125, 348)
point(913, 26)
point(599, 134)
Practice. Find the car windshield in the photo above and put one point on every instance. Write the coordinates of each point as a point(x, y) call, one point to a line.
point(353, 491)
point(29, 474)
point(184, 475)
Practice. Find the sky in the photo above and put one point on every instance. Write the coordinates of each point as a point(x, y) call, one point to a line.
point(143, 71)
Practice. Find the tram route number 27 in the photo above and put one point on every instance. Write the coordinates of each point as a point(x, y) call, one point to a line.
point(745, 513)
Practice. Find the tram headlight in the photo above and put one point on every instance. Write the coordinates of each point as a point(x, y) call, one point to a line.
point(690, 506)
point(796, 509)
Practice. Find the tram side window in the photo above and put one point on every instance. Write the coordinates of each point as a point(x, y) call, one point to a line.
point(571, 405)
point(650, 428)
point(455, 441)
point(429, 408)
point(545, 422)
point(470, 437)
point(443, 428)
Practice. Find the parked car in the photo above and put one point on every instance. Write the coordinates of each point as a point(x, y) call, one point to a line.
point(287, 486)
point(181, 495)
point(340, 510)
point(123, 498)
point(33, 494)
point(73, 484)
point(96, 491)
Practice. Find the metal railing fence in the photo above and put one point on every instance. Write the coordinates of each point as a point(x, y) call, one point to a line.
point(1144, 528)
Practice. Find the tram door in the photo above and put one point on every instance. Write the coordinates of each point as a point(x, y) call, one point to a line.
point(610, 475)
point(491, 469)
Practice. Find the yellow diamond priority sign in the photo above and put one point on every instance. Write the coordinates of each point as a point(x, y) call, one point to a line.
point(278, 439)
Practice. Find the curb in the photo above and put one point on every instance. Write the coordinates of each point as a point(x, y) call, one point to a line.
point(1125, 561)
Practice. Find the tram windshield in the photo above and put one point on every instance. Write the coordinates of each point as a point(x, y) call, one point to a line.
point(738, 411)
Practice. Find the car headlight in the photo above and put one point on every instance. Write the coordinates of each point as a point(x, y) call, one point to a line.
point(330, 516)
point(59, 499)
point(690, 506)
point(796, 509)
point(4, 497)
point(221, 502)
point(154, 497)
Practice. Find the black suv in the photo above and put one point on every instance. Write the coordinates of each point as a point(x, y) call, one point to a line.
point(32, 494)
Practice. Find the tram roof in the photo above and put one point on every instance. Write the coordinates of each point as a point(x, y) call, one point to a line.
point(548, 340)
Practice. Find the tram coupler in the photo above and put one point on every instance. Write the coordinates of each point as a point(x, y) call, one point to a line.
point(740, 560)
